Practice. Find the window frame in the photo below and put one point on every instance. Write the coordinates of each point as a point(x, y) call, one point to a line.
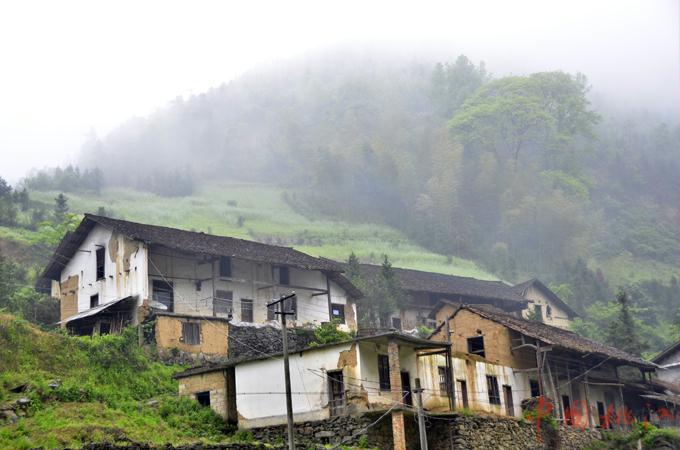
point(470, 344)
point(227, 301)
point(398, 319)
point(201, 396)
point(444, 376)
point(281, 275)
point(191, 333)
point(251, 310)
point(100, 263)
point(163, 286)
point(384, 372)
point(225, 267)
point(94, 297)
point(341, 312)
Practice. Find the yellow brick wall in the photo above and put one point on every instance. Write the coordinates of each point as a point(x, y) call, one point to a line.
point(497, 338)
point(214, 382)
point(214, 335)
point(69, 297)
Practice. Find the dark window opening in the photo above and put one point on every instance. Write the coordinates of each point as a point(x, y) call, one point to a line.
point(548, 311)
point(163, 294)
point(538, 311)
point(94, 300)
point(509, 403)
point(443, 379)
point(338, 313)
point(492, 387)
point(271, 312)
point(290, 305)
point(476, 346)
point(246, 310)
point(203, 398)
point(223, 303)
point(384, 372)
point(535, 388)
point(104, 327)
point(406, 388)
point(101, 253)
point(462, 386)
point(225, 267)
point(191, 333)
point(396, 323)
point(281, 275)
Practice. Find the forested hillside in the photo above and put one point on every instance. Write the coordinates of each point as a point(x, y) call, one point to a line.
point(521, 174)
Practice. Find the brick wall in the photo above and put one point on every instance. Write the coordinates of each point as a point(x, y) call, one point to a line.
point(214, 382)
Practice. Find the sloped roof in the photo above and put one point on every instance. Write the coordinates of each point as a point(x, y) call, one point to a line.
point(439, 283)
point(524, 286)
point(412, 341)
point(666, 352)
point(183, 240)
point(557, 337)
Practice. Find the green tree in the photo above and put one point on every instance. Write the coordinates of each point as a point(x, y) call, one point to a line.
point(60, 207)
point(623, 332)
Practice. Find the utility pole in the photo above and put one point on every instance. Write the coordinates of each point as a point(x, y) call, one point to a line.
point(286, 368)
point(421, 418)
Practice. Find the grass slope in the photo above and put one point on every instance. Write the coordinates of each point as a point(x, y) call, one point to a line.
point(267, 217)
point(105, 385)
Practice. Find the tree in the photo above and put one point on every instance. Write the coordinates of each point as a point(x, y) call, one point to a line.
point(60, 207)
point(623, 332)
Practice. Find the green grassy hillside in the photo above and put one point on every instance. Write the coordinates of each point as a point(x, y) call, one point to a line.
point(262, 213)
point(83, 389)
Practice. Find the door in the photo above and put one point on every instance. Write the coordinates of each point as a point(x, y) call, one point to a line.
point(601, 415)
point(509, 404)
point(462, 393)
point(406, 388)
point(336, 392)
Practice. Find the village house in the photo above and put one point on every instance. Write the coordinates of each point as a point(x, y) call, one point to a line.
point(368, 373)
point(544, 304)
point(426, 289)
point(500, 362)
point(109, 273)
point(669, 364)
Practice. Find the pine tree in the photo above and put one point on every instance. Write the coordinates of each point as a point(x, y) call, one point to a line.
point(623, 333)
point(60, 207)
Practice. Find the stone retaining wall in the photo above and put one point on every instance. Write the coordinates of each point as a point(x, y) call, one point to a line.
point(452, 431)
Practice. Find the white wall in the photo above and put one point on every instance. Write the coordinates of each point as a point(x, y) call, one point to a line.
point(558, 317)
point(249, 280)
point(260, 388)
point(117, 283)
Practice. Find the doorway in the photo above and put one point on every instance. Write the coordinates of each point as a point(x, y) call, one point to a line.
point(336, 392)
point(406, 388)
point(509, 404)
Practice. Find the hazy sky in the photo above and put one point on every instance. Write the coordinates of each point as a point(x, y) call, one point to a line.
point(68, 66)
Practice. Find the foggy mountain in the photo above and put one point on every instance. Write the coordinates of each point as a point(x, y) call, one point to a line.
point(520, 172)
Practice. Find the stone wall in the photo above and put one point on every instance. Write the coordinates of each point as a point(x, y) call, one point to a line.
point(453, 431)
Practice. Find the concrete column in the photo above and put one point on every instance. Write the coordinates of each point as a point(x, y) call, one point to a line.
point(398, 432)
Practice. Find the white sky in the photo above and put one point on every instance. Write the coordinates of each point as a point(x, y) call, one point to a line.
point(67, 66)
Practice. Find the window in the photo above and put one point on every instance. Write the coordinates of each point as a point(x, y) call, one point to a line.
point(462, 387)
point(492, 387)
point(443, 379)
point(191, 333)
point(535, 388)
point(225, 267)
point(203, 398)
point(548, 311)
point(94, 300)
point(538, 312)
point(246, 310)
point(338, 313)
point(384, 372)
point(336, 392)
point(281, 275)
point(396, 323)
point(476, 346)
point(223, 303)
point(163, 294)
point(271, 312)
point(101, 252)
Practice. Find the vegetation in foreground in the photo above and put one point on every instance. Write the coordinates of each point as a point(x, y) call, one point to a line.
point(82, 389)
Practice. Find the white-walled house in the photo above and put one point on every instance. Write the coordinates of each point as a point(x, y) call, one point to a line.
point(547, 305)
point(109, 273)
point(370, 373)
